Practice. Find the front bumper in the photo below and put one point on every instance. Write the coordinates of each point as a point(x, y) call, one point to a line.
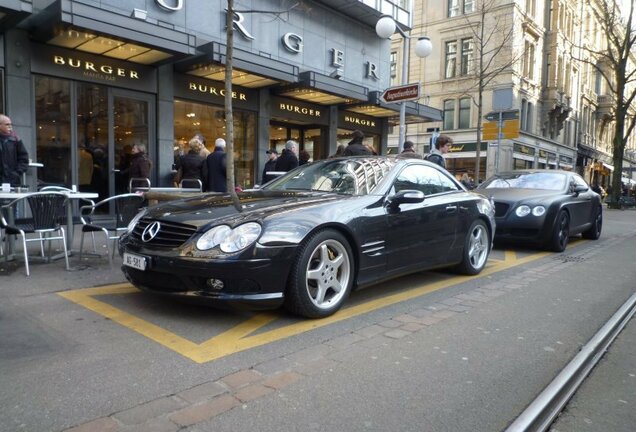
point(256, 283)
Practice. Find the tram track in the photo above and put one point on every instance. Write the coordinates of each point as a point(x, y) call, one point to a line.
point(544, 410)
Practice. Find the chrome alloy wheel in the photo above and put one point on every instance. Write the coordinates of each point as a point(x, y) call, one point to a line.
point(478, 246)
point(328, 274)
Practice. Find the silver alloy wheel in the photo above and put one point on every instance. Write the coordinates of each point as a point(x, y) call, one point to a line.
point(328, 274)
point(478, 246)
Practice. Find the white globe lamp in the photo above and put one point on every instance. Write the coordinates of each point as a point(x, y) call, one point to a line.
point(385, 27)
point(423, 47)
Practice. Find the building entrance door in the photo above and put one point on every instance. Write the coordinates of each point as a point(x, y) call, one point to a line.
point(84, 131)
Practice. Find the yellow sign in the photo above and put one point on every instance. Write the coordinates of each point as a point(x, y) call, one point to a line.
point(509, 129)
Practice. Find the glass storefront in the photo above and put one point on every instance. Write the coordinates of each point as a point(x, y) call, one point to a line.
point(191, 118)
point(308, 138)
point(84, 133)
point(370, 140)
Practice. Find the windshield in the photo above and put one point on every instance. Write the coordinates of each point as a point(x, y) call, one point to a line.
point(357, 176)
point(549, 181)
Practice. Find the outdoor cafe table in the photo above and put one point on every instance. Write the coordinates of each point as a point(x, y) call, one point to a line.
point(9, 196)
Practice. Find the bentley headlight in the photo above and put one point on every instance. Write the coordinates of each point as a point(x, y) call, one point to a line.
point(522, 211)
point(241, 237)
point(133, 222)
point(213, 237)
point(538, 211)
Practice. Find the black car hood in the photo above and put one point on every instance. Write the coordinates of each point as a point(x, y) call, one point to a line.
point(255, 205)
point(511, 195)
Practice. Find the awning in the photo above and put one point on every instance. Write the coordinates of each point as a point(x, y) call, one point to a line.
point(99, 31)
point(14, 11)
point(608, 166)
point(415, 112)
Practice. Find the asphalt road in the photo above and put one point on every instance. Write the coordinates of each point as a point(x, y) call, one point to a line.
point(469, 356)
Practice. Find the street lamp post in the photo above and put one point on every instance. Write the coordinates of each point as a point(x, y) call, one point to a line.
point(385, 28)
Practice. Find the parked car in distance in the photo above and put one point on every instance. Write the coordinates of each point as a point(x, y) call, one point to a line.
point(307, 238)
point(544, 207)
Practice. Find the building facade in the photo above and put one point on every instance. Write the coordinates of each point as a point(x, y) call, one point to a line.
point(534, 72)
point(85, 80)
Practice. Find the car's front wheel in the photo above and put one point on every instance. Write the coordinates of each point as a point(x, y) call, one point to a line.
point(476, 249)
point(321, 276)
point(594, 232)
point(560, 233)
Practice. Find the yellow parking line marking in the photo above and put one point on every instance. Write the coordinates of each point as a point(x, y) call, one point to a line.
point(240, 338)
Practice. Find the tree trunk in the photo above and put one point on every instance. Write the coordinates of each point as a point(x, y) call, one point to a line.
point(229, 117)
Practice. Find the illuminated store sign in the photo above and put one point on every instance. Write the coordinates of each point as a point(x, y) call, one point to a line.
point(209, 89)
point(299, 109)
point(359, 121)
point(95, 70)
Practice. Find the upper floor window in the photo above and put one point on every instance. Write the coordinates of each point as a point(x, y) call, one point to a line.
point(466, 65)
point(464, 113)
point(456, 7)
point(530, 7)
point(394, 60)
point(449, 114)
point(451, 59)
point(528, 60)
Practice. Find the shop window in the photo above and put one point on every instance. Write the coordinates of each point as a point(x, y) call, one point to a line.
point(449, 114)
point(464, 113)
point(191, 118)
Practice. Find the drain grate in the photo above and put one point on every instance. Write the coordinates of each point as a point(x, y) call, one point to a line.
point(570, 258)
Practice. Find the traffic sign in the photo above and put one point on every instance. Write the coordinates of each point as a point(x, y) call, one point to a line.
point(402, 93)
point(490, 130)
point(505, 115)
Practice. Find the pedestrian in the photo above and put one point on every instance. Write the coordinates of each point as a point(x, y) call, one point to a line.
point(442, 146)
point(270, 165)
point(191, 163)
point(14, 159)
point(467, 181)
point(339, 151)
point(140, 164)
point(356, 146)
point(303, 157)
point(409, 151)
point(214, 168)
point(288, 160)
point(204, 153)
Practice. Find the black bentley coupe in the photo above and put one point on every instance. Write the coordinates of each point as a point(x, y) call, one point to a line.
point(307, 238)
point(544, 207)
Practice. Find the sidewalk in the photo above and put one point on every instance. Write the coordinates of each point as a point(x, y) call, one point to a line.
point(607, 399)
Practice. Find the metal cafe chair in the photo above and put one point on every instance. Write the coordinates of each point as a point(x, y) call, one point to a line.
point(138, 183)
point(46, 209)
point(191, 184)
point(126, 207)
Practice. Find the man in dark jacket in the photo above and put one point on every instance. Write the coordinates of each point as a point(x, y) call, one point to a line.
point(214, 168)
point(442, 146)
point(356, 146)
point(288, 160)
point(270, 165)
point(409, 151)
point(14, 159)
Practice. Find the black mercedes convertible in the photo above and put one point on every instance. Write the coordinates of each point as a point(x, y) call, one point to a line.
point(307, 238)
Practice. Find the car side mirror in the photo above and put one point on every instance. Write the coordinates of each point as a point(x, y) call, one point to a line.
point(407, 196)
point(580, 189)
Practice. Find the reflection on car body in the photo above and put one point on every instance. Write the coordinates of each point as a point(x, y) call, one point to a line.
point(544, 207)
point(306, 239)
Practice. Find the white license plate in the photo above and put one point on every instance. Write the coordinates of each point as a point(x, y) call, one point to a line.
point(135, 261)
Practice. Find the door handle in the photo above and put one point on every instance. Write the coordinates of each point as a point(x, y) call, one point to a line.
point(451, 209)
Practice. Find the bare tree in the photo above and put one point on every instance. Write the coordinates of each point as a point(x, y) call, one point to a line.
point(615, 62)
point(493, 37)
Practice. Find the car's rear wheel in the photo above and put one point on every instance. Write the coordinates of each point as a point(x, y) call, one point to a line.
point(476, 249)
point(594, 232)
point(560, 233)
point(322, 275)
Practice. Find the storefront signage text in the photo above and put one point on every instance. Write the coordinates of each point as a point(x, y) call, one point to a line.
point(524, 149)
point(94, 70)
point(359, 121)
point(208, 89)
point(298, 109)
point(163, 4)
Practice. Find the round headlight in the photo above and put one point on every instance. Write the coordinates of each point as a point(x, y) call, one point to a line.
point(213, 237)
point(522, 211)
point(538, 211)
point(241, 237)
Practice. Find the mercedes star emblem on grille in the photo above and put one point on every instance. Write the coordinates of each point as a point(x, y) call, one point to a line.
point(150, 231)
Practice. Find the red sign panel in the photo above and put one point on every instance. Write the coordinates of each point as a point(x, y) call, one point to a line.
point(401, 93)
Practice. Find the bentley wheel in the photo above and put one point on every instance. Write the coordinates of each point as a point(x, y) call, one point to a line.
point(476, 249)
point(561, 232)
point(321, 277)
point(594, 232)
